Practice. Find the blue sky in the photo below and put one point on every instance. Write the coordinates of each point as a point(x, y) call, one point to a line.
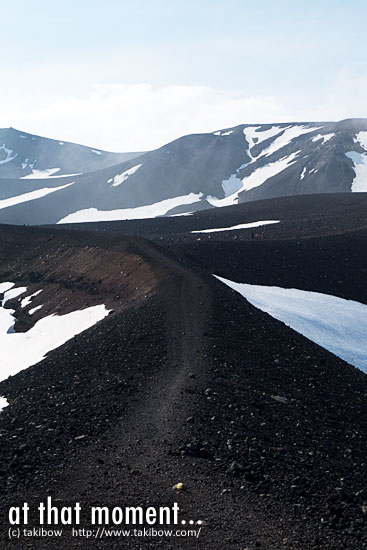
point(134, 74)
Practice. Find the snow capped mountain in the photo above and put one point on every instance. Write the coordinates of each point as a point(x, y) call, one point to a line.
point(45, 181)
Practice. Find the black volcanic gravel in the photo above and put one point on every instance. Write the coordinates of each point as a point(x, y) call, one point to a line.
point(266, 429)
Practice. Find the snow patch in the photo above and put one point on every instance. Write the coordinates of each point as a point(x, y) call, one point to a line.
point(96, 152)
point(5, 286)
point(8, 152)
point(220, 133)
point(260, 175)
point(33, 310)
point(20, 350)
point(359, 184)
point(3, 403)
point(12, 293)
point(324, 137)
point(177, 215)
point(338, 325)
point(240, 226)
point(231, 185)
point(27, 300)
point(32, 195)
point(140, 212)
point(254, 136)
point(289, 134)
point(303, 173)
point(36, 174)
point(361, 138)
point(120, 178)
point(41, 174)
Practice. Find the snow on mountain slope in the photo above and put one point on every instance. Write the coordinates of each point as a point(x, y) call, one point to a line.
point(338, 325)
point(32, 195)
point(20, 350)
point(359, 160)
point(148, 211)
point(286, 137)
point(226, 167)
point(359, 184)
point(120, 178)
point(26, 155)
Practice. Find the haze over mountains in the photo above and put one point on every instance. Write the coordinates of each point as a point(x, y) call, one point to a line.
point(45, 181)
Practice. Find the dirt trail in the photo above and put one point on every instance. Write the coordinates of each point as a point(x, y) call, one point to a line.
point(153, 422)
point(188, 303)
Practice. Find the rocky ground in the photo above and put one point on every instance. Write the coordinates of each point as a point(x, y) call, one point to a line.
point(187, 382)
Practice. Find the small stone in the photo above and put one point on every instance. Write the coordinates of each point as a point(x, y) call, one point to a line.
point(280, 399)
point(255, 453)
point(236, 468)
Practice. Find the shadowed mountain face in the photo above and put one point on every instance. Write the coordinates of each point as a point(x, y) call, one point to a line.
point(193, 173)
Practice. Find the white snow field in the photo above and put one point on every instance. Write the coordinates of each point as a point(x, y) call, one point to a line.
point(255, 179)
point(359, 184)
point(234, 185)
point(239, 226)
point(140, 212)
point(289, 134)
point(8, 153)
point(303, 173)
point(10, 293)
point(361, 138)
point(338, 325)
point(254, 137)
point(120, 178)
point(41, 174)
point(32, 195)
point(324, 137)
point(45, 174)
point(259, 176)
point(231, 185)
point(20, 350)
point(27, 300)
point(3, 403)
point(220, 133)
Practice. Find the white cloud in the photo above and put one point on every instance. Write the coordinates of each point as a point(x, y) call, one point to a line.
point(130, 117)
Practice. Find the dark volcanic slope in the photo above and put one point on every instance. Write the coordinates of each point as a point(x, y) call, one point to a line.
point(178, 386)
point(317, 215)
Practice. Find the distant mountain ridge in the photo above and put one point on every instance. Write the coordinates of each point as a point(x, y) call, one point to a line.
point(245, 163)
point(31, 156)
